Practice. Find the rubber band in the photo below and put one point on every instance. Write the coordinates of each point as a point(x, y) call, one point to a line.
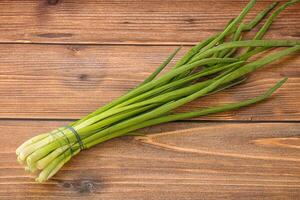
point(54, 135)
point(70, 145)
point(81, 145)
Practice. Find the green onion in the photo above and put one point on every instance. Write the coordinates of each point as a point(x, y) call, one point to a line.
point(208, 68)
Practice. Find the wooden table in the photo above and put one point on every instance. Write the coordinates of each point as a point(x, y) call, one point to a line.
point(60, 60)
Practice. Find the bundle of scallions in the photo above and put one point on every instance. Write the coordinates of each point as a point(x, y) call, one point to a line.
point(219, 62)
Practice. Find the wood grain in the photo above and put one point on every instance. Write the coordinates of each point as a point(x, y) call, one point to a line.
point(61, 59)
point(176, 161)
point(128, 21)
point(69, 81)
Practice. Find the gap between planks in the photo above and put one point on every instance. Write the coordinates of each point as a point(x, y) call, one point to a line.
point(179, 121)
point(101, 44)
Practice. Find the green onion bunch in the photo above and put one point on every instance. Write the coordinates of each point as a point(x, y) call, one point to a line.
point(217, 63)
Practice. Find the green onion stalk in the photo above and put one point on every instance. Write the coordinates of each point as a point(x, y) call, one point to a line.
point(211, 66)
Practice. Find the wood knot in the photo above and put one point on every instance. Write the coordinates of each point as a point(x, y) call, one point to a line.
point(86, 187)
point(83, 77)
point(190, 20)
point(52, 2)
point(81, 186)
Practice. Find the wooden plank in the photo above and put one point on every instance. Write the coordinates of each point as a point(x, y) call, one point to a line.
point(176, 161)
point(128, 21)
point(69, 81)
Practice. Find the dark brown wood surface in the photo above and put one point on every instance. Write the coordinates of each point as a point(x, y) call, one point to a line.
point(128, 21)
point(188, 160)
point(68, 81)
point(60, 60)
